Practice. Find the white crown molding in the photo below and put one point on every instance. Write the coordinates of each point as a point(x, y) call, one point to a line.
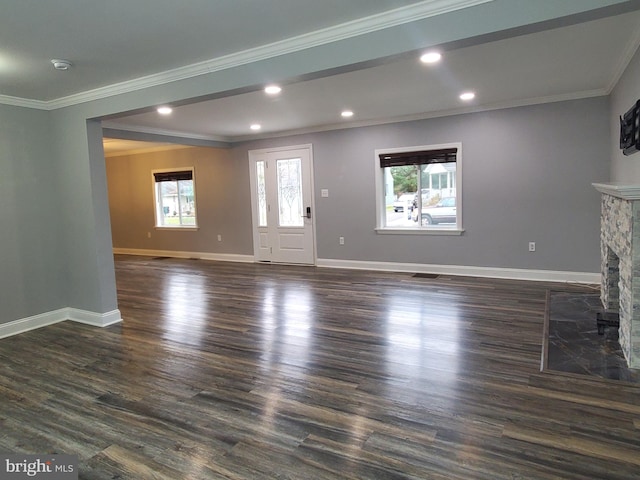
point(167, 133)
point(626, 58)
point(23, 102)
point(391, 18)
point(484, 272)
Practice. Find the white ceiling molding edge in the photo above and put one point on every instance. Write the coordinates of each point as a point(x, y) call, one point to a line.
point(23, 102)
point(425, 116)
point(629, 52)
point(368, 123)
point(163, 148)
point(391, 18)
point(167, 133)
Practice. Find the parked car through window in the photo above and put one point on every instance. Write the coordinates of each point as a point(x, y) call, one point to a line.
point(442, 212)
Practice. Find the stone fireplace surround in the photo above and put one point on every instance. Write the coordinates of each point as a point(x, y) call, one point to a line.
point(620, 262)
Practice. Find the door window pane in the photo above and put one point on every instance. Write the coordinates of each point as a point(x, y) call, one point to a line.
point(289, 173)
point(262, 194)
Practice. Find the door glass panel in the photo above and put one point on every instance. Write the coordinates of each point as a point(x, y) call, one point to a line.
point(289, 172)
point(262, 194)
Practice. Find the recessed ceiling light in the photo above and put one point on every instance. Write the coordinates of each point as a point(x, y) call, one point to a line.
point(164, 110)
point(61, 64)
point(467, 96)
point(431, 57)
point(255, 126)
point(272, 89)
point(347, 113)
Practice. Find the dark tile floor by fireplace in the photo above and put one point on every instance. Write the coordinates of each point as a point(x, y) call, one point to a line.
point(574, 345)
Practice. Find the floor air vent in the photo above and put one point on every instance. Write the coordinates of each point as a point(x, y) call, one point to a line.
point(426, 275)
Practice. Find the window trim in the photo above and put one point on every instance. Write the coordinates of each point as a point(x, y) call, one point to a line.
point(379, 192)
point(154, 187)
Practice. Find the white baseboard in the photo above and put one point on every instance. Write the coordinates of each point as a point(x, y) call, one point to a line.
point(93, 318)
point(49, 318)
point(486, 272)
point(222, 257)
point(31, 323)
point(109, 318)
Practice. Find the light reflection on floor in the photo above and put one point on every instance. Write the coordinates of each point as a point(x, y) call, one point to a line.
point(185, 308)
point(286, 326)
point(417, 333)
point(418, 337)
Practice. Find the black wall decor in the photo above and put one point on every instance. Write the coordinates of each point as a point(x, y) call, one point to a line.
point(630, 130)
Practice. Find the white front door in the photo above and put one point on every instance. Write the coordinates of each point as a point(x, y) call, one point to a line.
point(282, 205)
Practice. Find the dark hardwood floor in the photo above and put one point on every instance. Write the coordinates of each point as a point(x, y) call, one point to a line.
point(250, 371)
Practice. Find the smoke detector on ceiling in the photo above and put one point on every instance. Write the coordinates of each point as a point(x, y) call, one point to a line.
point(61, 64)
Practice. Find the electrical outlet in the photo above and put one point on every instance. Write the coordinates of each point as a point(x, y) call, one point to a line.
point(148, 234)
point(341, 240)
point(219, 238)
point(532, 246)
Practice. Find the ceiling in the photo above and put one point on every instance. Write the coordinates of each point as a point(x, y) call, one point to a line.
point(571, 62)
point(121, 41)
point(120, 146)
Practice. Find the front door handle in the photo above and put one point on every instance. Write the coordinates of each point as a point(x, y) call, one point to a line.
point(308, 215)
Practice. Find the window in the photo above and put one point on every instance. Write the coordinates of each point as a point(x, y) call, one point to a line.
point(289, 175)
point(174, 193)
point(419, 189)
point(261, 184)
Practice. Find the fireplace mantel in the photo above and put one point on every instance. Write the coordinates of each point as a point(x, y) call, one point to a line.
point(620, 190)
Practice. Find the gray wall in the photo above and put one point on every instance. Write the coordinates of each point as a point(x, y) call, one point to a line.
point(223, 202)
point(624, 169)
point(64, 257)
point(527, 175)
point(31, 274)
point(86, 232)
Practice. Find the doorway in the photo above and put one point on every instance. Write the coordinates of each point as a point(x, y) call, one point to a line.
point(282, 204)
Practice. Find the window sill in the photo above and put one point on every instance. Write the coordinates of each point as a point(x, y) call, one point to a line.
point(178, 229)
point(420, 231)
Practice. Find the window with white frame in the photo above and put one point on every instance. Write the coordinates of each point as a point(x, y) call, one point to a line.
point(419, 189)
point(174, 192)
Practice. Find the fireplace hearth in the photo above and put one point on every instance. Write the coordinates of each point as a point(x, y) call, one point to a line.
point(606, 319)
